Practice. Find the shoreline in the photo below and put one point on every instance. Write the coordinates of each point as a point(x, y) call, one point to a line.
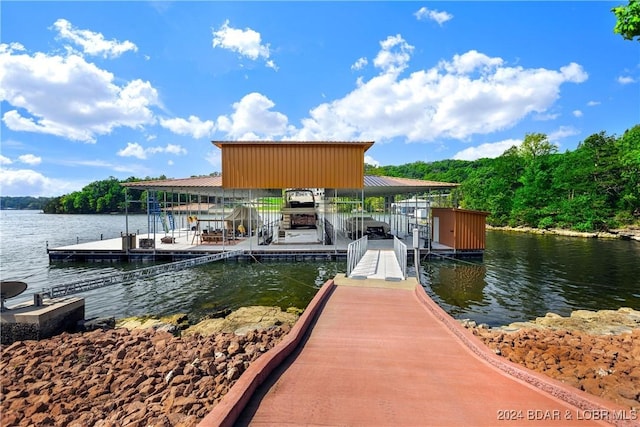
point(147, 376)
point(137, 374)
point(594, 351)
point(631, 233)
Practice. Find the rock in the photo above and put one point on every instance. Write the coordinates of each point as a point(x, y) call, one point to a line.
point(244, 320)
point(101, 323)
point(113, 377)
point(583, 350)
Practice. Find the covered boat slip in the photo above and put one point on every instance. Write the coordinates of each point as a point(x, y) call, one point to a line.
point(181, 245)
point(247, 207)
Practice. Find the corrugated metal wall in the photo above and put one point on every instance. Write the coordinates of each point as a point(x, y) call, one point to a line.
point(470, 230)
point(461, 229)
point(289, 165)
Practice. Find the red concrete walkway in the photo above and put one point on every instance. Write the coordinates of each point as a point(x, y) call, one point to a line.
point(385, 356)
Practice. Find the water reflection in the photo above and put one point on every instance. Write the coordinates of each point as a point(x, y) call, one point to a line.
point(458, 284)
point(525, 276)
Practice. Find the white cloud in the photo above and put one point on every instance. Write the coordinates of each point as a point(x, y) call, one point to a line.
point(92, 43)
point(394, 55)
point(489, 150)
point(133, 149)
point(424, 14)
point(470, 94)
point(371, 161)
point(138, 170)
point(26, 182)
point(30, 159)
point(94, 104)
point(360, 64)
point(193, 126)
point(577, 113)
point(625, 80)
point(214, 158)
point(252, 119)
point(543, 117)
point(271, 64)
point(561, 133)
point(5, 160)
point(574, 73)
point(593, 103)
point(247, 43)
point(171, 149)
point(22, 182)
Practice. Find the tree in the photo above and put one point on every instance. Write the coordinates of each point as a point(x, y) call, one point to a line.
point(535, 145)
point(628, 24)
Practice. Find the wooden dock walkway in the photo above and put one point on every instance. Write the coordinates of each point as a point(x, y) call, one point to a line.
point(380, 353)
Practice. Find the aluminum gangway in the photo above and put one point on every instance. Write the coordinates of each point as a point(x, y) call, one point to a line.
point(133, 275)
point(366, 263)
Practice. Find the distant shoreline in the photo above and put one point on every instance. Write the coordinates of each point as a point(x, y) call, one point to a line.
point(622, 233)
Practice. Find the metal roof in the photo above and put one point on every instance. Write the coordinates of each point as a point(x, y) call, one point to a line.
point(366, 144)
point(179, 184)
point(212, 185)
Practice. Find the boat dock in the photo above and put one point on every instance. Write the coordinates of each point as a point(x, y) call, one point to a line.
point(183, 244)
point(379, 352)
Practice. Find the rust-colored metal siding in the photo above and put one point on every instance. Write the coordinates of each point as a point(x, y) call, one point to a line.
point(292, 164)
point(462, 229)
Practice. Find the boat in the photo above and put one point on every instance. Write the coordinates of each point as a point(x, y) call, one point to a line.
point(372, 228)
point(299, 209)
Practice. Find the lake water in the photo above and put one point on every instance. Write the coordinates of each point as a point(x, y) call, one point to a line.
point(521, 277)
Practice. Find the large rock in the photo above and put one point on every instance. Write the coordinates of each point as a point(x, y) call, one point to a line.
point(602, 322)
point(243, 320)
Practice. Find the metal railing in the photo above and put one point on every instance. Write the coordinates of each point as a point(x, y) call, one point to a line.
point(400, 250)
point(355, 252)
point(131, 276)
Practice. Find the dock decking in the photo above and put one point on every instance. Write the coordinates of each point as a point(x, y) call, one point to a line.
point(380, 353)
point(184, 244)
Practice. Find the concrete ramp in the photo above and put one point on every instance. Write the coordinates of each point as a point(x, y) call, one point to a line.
point(385, 356)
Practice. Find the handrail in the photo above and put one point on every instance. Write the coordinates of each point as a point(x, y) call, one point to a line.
point(400, 250)
point(355, 252)
point(130, 276)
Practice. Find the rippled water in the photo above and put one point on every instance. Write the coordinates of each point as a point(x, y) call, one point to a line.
point(521, 276)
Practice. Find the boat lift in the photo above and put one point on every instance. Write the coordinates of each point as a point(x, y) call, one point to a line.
point(131, 276)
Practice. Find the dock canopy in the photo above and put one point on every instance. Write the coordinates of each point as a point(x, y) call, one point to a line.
point(374, 186)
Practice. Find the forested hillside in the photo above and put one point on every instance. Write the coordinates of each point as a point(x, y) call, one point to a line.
point(595, 187)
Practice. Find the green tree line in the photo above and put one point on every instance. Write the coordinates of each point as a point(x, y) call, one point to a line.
point(596, 187)
point(23, 202)
point(109, 196)
point(100, 197)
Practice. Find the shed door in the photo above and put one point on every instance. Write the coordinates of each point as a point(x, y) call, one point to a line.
point(436, 229)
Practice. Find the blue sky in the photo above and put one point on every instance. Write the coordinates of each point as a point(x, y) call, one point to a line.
point(90, 90)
